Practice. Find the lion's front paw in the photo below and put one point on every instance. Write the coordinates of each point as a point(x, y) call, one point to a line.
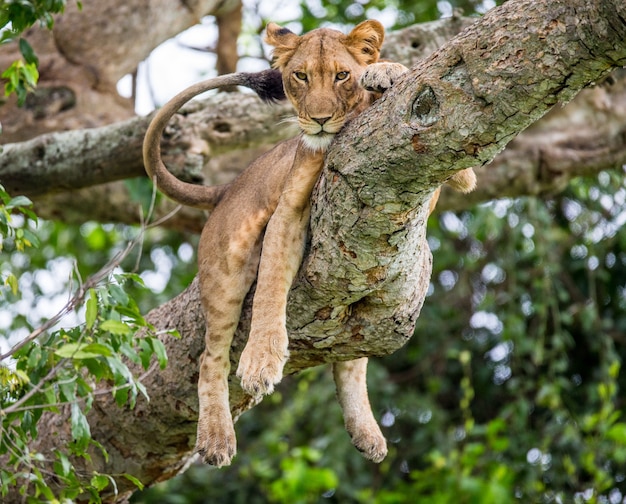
point(379, 77)
point(216, 442)
point(260, 368)
point(369, 440)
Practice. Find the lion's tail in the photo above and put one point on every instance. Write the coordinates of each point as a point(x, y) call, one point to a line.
point(267, 84)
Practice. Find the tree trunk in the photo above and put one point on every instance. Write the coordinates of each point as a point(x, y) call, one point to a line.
point(366, 272)
point(83, 57)
point(229, 28)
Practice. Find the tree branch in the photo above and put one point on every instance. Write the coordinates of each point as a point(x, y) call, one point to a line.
point(581, 139)
point(81, 60)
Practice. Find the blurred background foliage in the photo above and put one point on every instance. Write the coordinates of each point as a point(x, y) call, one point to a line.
point(511, 389)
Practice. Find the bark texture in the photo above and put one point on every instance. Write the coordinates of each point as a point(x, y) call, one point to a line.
point(365, 275)
point(229, 27)
point(85, 55)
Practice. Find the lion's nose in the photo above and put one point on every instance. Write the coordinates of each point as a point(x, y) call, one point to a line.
point(321, 120)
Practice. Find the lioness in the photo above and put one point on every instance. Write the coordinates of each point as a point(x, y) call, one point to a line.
point(267, 207)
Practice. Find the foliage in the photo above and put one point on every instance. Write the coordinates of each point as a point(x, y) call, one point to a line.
point(404, 12)
point(19, 235)
point(56, 368)
point(15, 17)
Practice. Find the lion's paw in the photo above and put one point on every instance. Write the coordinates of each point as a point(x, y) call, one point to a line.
point(260, 369)
point(379, 77)
point(371, 443)
point(216, 442)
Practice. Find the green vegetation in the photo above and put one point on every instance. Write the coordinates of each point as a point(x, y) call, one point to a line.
point(50, 368)
point(16, 16)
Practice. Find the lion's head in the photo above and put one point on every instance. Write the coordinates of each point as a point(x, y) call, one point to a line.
point(321, 73)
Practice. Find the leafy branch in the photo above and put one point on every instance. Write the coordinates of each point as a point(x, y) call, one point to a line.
point(15, 17)
point(48, 371)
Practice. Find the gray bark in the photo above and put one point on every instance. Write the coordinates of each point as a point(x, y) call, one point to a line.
point(83, 57)
point(365, 275)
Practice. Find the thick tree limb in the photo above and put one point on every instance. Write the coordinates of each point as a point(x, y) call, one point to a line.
point(85, 55)
point(365, 276)
point(586, 136)
point(71, 160)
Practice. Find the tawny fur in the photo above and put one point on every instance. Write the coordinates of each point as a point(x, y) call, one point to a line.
point(259, 223)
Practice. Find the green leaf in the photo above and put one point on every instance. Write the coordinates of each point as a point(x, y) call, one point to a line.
point(11, 281)
point(98, 349)
point(81, 432)
point(31, 239)
point(31, 75)
point(121, 373)
point(118, 294)
point(121, 396)
point(130, 276)
point(28, 53)
point(131, 313)
point(83, 351)
point(69, 351)
point(617, 433)
point(134, 481)
point(62, 466)
point(21, 78)
point(160, 352)
point(19, 201)
point(115, 327)
point(129, 352)
point(67, 390)
point(91, 311)
point(145, 353)
point(141, 388)
point(99, 482)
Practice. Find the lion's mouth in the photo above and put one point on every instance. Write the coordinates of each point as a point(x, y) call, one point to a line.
point(312, 127)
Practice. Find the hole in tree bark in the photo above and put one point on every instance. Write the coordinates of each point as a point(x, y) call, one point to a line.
point(222, 127)
point(425, 110)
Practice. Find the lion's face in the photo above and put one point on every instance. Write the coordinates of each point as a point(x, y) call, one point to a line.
point(321, 73)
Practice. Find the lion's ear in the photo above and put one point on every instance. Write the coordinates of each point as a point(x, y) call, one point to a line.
point(284, 41)
point(366, 40)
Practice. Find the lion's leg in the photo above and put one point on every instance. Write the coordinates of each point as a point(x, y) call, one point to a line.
point(225, 280)
point(350, 380)
point(433, 200)
point(262, 361)
point(463, 181)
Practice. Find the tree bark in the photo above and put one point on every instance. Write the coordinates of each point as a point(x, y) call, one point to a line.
point(83, 57)
point(229, 28)
point(365, 275)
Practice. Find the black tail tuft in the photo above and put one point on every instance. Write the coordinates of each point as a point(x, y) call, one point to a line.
point(268, 84)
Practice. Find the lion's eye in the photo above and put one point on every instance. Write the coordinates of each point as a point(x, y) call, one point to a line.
point(301, 76)
point(342, 76)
